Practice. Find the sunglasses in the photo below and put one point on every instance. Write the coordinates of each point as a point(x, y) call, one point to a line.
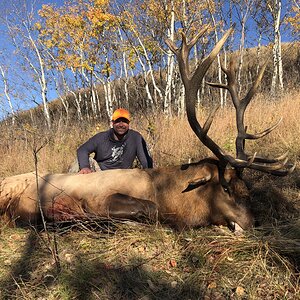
point(123, 120)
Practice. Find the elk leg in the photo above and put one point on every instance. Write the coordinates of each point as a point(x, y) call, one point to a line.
point(124, 206)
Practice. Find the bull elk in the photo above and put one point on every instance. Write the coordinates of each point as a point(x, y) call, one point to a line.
point(210, 191)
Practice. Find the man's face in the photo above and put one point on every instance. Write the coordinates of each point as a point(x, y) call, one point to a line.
point(121, 126)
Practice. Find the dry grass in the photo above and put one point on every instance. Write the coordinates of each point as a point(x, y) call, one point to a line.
point(135, 261)
point(148, 261)
point(170, 139)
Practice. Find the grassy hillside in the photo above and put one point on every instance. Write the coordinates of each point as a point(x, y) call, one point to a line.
point(253, 59)
point(126, 260)
point(171, 140)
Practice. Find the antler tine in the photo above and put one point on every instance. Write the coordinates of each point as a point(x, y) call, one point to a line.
point(280, 158)
point(283, 172)
point(203, 67)
point(195, 39)
point(209, 120)
point(279, 169)
point(192, 83)
point(255, 85)
point(263, 133)
point(172, 46)
point(182, 53)
point(276, 166)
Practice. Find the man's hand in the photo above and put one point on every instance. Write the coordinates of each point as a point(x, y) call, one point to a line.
point(85, 171)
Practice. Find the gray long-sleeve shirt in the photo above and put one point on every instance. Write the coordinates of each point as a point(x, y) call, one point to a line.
point(115, 154)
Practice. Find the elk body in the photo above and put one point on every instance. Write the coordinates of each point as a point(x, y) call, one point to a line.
point(182, 196)
point(208, 192)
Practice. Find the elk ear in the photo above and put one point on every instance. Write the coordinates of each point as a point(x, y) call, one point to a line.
point(196, 183)
point(229, 174)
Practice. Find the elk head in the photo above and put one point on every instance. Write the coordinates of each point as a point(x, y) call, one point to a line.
point(192, 82)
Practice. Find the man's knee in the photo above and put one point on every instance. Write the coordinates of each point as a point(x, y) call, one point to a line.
point(74, 167)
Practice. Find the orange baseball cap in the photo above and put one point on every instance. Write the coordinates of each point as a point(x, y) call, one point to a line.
point(120, 113)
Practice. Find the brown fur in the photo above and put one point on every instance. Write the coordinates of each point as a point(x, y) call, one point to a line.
point(172, 190)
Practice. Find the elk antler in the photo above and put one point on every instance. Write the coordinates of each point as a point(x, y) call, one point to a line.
point(192, 82)
point(276, 166)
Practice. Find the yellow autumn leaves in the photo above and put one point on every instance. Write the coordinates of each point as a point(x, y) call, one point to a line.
point(75, 31)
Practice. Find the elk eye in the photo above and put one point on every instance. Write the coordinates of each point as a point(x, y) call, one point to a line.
point(226, 190)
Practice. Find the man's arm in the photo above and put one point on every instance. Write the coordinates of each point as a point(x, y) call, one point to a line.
point(83, 153)
point(143, 154)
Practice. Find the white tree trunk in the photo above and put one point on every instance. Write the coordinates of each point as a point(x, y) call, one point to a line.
point(65, 89)
point(40, 72)
point(92, 94)
point(98, 100)
point(170, 65)
point(108, 99)
point(77, 97)
point(107, 95)
point(258, 53)
point(150, 102)
point(77, 104)
point(126, 78)
point(7, 95)
point(181, 109)
point(126, 92)
point(156, 89)
point(244, 16)
point(277, 79)
point(218, 59)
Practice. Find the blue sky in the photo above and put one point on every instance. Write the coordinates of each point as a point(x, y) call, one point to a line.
point(25, 93)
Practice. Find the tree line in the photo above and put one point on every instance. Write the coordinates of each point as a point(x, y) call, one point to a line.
point(96, 55)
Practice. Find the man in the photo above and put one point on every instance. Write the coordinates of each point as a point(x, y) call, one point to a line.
point(115, 148)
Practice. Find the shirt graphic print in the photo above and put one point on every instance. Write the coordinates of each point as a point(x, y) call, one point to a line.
point(117, 153)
